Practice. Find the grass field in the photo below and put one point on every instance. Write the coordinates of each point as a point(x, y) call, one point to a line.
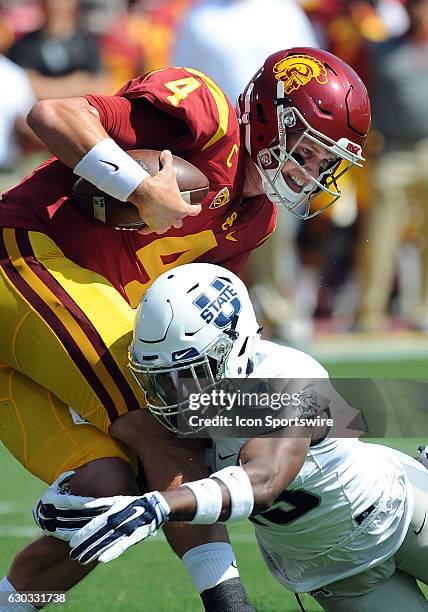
point(148, 577)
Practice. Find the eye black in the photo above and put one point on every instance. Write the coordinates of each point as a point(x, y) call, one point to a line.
point(328, 164)
point(299, 159)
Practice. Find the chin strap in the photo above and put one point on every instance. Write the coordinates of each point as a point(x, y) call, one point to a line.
point(245, 117)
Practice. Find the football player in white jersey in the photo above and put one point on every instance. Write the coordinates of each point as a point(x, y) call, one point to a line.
point(336, 517)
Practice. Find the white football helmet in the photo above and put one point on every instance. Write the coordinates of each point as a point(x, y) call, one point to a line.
point(194, 326)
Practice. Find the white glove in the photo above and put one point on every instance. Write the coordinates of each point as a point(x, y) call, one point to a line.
point(60, 514)
point(128, 521)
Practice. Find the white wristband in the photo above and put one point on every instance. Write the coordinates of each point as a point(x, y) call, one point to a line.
point(240, 491)
point(209, 500)
point(109, 168)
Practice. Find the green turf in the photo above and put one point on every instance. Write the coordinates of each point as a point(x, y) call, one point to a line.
point(405, 368)
point(148, 577)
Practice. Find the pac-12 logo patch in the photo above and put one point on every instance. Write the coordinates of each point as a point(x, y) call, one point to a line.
point(221, 199)
point(298, 70)
point(219, 304)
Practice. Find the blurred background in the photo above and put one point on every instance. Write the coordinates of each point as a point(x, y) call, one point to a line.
point(350, 286)
point(351, 282)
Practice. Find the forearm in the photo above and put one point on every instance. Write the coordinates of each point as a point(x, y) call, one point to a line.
point(183, 503)
point(68, 127)
point(239, 492)
point(225, 496)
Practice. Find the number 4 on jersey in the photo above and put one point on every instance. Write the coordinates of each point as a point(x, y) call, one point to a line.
point(181, 88)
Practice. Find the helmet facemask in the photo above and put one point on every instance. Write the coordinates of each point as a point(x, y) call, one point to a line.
point(271, 162)
point(169, 387)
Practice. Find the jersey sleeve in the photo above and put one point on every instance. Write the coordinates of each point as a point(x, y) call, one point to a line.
point(137, 124)
point(183, 110)
point(190, 96)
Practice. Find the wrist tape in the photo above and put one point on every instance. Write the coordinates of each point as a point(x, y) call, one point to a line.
point(240, 491)
point(109, 168)
point(209, 500)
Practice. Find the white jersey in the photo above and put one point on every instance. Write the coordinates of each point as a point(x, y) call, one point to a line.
point(348, 509)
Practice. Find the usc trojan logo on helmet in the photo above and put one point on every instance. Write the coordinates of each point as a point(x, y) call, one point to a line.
point(298, 70)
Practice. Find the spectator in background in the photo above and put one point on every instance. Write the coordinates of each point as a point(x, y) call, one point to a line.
point(17, 17)
point(122, 35)
point(400, 172)
point(327, 246)
point(165, 17)
point(135, 36)
point(99, 16)
point(15, 135)
point(13, 109)
point(60, 59)
point(227, 40)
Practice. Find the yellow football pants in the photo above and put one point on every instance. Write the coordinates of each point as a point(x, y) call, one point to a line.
point(64, 337)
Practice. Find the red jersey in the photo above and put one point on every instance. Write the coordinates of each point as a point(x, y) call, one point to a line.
point(176, 108)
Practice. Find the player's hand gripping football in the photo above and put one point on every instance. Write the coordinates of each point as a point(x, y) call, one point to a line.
point(159, 201)
point(128, 521)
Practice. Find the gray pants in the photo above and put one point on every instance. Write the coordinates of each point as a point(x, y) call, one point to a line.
point(390, 586)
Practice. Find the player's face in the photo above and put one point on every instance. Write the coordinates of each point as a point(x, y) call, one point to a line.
point(310, 160)
point(297, 170)
point(169, 389)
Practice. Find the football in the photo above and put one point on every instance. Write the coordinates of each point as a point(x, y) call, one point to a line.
point(193, 185)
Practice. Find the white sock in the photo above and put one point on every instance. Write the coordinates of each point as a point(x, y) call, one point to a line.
point(6, 589)
point(210, 564)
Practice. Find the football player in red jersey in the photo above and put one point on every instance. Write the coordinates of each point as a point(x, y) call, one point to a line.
point(69, 283)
